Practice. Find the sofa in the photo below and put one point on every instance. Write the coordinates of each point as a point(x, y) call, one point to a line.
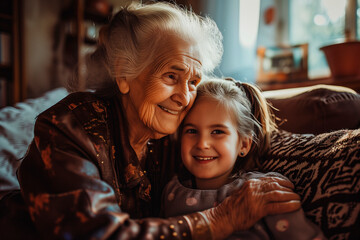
point(317, 147)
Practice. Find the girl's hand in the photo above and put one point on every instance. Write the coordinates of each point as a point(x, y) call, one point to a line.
point(256, 199)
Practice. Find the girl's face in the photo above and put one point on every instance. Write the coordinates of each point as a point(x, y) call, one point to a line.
point(210, 143)
point(162, 99)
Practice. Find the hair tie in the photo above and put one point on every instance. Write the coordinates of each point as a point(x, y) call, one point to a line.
point(239, 84)
point(247, 92)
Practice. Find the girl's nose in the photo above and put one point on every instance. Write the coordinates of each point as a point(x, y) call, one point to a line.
point(203, 142)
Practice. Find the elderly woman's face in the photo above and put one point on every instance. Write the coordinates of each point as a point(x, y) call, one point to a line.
point(163, 98)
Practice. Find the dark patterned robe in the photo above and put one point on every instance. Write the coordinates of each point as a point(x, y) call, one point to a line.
point(81, 179)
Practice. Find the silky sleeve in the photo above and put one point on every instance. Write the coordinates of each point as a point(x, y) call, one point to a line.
point(293, 225)
point(66, 197)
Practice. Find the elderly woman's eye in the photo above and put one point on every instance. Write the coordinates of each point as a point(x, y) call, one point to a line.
point(172, 76)
point(193, 82)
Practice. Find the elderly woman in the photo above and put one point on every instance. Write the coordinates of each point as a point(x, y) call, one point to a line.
point(100, 159)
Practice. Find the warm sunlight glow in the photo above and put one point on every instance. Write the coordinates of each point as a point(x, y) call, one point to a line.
point(320, 20)
point(249, 12)
point(335, 9)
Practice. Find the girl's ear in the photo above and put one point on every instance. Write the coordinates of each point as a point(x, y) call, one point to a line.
point(245, 146)
point(123, 85)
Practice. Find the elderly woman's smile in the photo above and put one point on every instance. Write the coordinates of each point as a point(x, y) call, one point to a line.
point(170, 111)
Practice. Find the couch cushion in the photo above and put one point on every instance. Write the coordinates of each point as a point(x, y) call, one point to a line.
point(317, 109)
point(16, 133)
point(325, 169)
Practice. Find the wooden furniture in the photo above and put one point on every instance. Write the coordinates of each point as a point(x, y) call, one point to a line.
point(82, 20)
point(342, 59)
point(282, 63)
point(12, 76)
point(350, 82)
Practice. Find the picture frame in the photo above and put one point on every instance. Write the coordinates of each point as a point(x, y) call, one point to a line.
point(282, 63)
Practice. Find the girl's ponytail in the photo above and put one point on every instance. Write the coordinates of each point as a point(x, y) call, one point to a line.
point(262, 113)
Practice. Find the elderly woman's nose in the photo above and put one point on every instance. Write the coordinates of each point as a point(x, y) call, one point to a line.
point(182, 96)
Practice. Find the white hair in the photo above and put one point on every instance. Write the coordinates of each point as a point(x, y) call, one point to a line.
point(130, 42)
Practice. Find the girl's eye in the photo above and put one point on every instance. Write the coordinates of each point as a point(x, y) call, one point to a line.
point(190, 131)
point(217, 131)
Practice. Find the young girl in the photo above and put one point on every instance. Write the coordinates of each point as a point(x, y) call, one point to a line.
point(222, 137)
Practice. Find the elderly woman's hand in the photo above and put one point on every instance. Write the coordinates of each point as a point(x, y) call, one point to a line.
point(255, 200)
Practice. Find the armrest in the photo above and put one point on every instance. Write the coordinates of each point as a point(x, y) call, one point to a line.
point(316, 109)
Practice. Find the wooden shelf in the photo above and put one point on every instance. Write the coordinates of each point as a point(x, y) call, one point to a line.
point(77, 17)
point(96, 18)
point(6, 25)
point(12, 72)
point(6, 71)
point(350, 82)
point(7, 7)
point(5, 16)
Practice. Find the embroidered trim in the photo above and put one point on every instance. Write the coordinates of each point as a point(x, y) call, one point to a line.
point(199, 226)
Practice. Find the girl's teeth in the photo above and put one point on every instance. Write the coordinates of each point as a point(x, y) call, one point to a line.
point(205, 158)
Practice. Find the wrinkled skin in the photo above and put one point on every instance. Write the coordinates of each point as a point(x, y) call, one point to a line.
point(255, 200)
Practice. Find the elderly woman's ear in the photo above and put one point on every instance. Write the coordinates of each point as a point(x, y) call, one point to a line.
point(123, 85)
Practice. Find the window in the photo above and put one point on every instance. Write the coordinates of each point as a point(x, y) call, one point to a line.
point(320, 23)
point(357, 13)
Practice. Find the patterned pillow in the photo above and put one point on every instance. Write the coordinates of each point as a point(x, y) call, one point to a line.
point(325, 169)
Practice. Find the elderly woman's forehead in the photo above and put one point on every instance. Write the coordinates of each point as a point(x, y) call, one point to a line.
point(175, 42)
point(180, 51)
point(181, 63)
